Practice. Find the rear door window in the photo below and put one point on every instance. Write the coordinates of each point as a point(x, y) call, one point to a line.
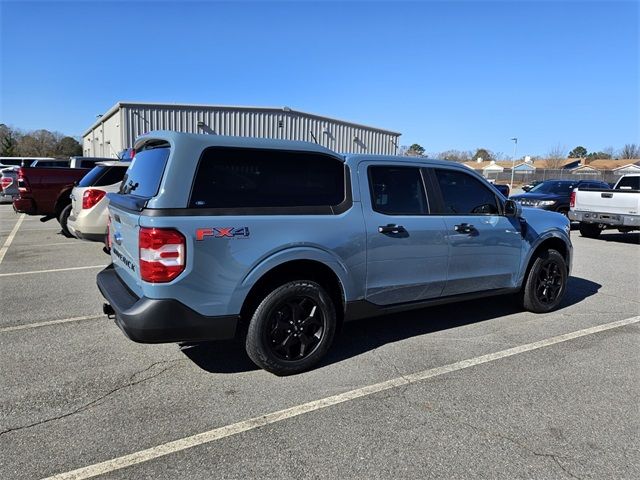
point(145, 172)
point(90, 179)
point(249, 178)
point(464, 195)
point(111, 176)
point(397, 190)
point(629, 183)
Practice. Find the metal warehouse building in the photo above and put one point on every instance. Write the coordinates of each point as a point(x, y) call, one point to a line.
point(121, 124)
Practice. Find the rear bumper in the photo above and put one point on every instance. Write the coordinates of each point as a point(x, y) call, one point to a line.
point(24, 205)
point(82, 235)
point(609, 219)
point(147, 320)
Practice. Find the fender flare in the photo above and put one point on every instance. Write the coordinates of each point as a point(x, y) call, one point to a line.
point(280, 257)
point(552, 234)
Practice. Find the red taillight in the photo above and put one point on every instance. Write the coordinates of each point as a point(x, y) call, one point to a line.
point(91, 197)
point(6, 182)
point(133, 153)
point(23, 185)
point(162, 254)
point(572, 200)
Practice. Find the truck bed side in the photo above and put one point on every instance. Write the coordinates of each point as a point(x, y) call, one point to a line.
point(40, 188)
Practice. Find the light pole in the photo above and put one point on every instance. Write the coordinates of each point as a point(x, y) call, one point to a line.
point(513, 161)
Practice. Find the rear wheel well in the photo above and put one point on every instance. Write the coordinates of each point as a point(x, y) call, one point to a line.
point(294, 270)
point(62, 201)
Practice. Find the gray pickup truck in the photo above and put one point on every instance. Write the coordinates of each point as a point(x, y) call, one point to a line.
point(280, 242)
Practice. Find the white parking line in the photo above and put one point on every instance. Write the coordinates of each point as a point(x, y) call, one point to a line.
point(50, 229)
point(49, 271)
point(7, 242)
point(256, 422)
point(70, 242)
point(48, 322)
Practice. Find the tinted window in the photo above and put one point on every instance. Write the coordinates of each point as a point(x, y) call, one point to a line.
point(51, 163)
point(629, 183)
point(146, 169)
point(102, 175)
point(236, 178)
point(90, 178)
point(87, 163)
point(397, 191)
point(463, 194)
point(554, 187)
point(112, 176)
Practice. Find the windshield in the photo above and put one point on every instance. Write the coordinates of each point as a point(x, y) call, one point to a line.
point(559, 188)
point(145, 172)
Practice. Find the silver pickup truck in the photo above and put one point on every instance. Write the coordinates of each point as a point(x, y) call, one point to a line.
point(597, 209)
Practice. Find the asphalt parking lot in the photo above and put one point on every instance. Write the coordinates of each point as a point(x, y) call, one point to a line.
point(475, 390)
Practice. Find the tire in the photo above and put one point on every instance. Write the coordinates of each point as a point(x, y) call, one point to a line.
point(292, 328)
point(62, 219)
point(546, 282)
point(590, 230)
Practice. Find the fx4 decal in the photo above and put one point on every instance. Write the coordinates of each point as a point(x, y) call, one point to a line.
point(222, 232)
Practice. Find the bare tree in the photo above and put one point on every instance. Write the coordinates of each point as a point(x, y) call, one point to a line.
point(454, 156)
point(556, 157)
point(629, 151)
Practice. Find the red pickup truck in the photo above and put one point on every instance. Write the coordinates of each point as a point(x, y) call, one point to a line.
point(45, 191)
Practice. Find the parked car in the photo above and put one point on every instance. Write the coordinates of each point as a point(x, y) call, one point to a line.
point(8, 184)
point(598, 209)
point(71, 162)
point(46, 190)
point(86, 217)
point(20, 161)
point(280, 241)
point(503, 189)
point(554, 195)
point(527, 187)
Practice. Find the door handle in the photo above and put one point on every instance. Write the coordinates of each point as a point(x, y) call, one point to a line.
point(464, 228)
point(391, 228)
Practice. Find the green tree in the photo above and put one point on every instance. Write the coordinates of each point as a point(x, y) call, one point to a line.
point(598, 156)
point(415, 150)
point(484, 154)
point(68, 147)
point(8, 141)
point(578, 152)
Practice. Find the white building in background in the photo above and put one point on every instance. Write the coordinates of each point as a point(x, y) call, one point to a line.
point(117, 129)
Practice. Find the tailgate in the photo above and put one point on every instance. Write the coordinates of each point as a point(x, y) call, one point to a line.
point(608, 201)
point(123, 234)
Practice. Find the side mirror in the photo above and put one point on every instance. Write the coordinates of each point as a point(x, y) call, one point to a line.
point(512, 209)
point(526, 188)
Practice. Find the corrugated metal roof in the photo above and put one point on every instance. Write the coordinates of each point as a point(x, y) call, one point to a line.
point(285, 109)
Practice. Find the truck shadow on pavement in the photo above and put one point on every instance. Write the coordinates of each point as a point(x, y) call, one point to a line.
point(631, 238)
point(365, 335)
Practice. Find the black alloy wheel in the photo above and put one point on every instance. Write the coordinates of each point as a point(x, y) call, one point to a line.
point(549, 282)
point(295, 328)
point(545, 283)
point(292, 328)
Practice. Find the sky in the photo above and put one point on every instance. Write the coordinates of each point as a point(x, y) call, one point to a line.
point(447, 75)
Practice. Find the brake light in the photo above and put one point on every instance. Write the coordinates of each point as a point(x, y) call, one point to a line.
point(572, 199)
point(162, 254)
point(91, 197)
point(23, 185)
point(6, 182)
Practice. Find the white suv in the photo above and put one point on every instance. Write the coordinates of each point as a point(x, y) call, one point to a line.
point(86, 217)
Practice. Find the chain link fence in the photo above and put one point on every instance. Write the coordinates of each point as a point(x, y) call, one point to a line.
point(520, 178)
